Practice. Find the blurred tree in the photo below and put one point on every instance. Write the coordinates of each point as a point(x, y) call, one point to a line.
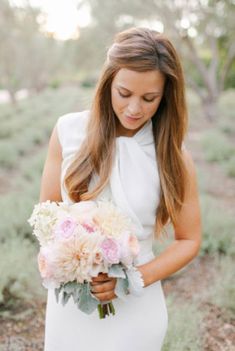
point(202, 30)
point(28, 59)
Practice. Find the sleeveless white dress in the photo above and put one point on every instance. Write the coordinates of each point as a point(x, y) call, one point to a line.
point(140, 323)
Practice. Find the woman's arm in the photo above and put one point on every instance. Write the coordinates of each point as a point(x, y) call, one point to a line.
point(50, 182)
point(187, 234)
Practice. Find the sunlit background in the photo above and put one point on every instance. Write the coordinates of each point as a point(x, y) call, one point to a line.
point(51, 55)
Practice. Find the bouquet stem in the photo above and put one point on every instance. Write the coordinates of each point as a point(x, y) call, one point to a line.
point(105, 310)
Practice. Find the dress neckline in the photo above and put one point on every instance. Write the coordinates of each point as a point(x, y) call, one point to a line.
point(146, 125)
point(143, 137)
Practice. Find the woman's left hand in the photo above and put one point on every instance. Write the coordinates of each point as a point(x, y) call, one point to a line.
point(103, 287)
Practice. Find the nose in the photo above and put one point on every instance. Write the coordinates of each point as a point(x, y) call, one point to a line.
point(134, 107)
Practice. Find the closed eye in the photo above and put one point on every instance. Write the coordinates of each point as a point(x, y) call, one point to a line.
point(122, 95)
point(147, 100)
point(126, 96)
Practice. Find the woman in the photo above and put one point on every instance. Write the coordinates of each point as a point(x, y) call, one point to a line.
point(128, 148)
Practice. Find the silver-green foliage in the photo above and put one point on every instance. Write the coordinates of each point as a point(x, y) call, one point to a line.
point(222, 292)
point(216, 146)
point(24, 127)
point(183, 327)
point(18, 270)
point(218, 228)
point(229, 167)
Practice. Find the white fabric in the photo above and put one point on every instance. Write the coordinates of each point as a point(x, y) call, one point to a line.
point(140, 323)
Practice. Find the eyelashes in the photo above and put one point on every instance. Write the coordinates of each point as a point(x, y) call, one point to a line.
point(126, 96)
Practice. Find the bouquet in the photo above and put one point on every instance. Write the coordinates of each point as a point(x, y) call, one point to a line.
point(79, 241)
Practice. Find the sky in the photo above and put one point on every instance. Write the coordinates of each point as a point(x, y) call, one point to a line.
point(63, 17)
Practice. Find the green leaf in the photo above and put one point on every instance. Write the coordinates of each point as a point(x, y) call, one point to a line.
point(65, 298)
point(116, 271)
point(70, 287)
point(87, 303)
point(77, 292)
point(135, 282)
point(121, 288)
point(57, 293)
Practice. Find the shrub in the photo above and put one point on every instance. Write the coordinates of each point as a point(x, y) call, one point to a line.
point(216, 146)
point(183, 327)
point(8, 154)
point(218, 229)
point(19, 277)
point(222, 292)
point(229, 167)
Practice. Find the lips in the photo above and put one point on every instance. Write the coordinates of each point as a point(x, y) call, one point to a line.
point(135, 118)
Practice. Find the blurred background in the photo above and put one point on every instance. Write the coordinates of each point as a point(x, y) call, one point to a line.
point(51, 54)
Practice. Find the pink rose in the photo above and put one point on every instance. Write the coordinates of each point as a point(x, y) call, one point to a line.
point(65, 228)
point(111, 251)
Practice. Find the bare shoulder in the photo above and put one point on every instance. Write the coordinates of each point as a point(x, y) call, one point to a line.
point(189, 162)
point(188, 224)
point(54, 147)
point(50, 182)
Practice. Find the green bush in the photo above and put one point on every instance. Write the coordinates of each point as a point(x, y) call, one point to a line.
point(218, 229)
point(230, 167)
point(19, 277)
point(216, 146)
point(222, 292)
point(8, 154)
point(227, 104)
point(183, 327)
point(226, 125)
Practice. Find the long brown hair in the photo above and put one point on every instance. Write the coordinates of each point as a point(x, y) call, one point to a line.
point(138, 49)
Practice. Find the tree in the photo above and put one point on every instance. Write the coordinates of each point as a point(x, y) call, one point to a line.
point(28, 59)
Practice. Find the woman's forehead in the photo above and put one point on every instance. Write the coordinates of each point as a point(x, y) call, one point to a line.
point(128, 79)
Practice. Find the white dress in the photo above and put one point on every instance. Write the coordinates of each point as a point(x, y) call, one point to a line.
point(140, 323)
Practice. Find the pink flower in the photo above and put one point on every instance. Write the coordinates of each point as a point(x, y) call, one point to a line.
point(65, 228)
point(90, 227)
point(44, 266)
point(111, 251)
point(129, 248)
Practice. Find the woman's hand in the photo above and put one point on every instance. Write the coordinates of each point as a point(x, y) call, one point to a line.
point(103, 287)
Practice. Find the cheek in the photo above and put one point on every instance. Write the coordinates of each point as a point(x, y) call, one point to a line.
point(153, 108)
point(117, 102)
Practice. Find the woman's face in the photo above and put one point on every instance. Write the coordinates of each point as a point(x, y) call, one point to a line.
point(135, 98)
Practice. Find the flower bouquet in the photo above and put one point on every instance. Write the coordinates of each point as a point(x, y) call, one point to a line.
point(79, 241)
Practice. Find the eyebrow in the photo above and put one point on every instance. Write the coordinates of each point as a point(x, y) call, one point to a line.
point(152, 92)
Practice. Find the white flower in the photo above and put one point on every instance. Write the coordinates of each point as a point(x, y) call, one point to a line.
point(110, 220)
point(75, 257)
point(43, 219)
